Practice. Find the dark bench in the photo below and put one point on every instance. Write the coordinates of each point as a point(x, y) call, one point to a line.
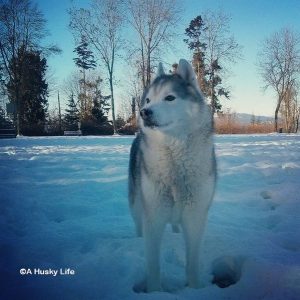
point(72, 133)
point(8, 133)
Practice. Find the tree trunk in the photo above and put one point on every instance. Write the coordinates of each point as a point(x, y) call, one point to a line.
point(276, 116)
point(286, 121)
point(84, 94)
point(59, 114)
point(143, 69)
point(297, 121)
point(16, 79)
point(112, 102)
point(212, 91)
point(17, 109)
point(133, 110)
point(148, 77)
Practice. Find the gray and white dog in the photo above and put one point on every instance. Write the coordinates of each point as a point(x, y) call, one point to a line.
point(172, 170)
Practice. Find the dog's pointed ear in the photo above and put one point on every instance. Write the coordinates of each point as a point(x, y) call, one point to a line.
point(160, 71)
point(185, 70)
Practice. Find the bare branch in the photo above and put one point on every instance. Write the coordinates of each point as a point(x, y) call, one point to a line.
point(154, 22)
point(279, 64)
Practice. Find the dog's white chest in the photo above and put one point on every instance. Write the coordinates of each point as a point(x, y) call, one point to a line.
point(176, 169)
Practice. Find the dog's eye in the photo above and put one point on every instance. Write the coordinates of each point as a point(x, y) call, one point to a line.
point(170, 98)
point(147, 100)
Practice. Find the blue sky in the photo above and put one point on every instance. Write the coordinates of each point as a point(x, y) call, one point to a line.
point(251, 22)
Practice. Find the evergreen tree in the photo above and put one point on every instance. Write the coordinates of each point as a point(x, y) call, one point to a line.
point(100, 104)
point(85, 61)
point(96, 120)
point(194, 32)
point(2, 81)
point(216, 90)
point(208, 70)
point(5, 123)
point(22, 29)
point(71, 118)
point(120, 122)
point(33, 91)
point(100, 109)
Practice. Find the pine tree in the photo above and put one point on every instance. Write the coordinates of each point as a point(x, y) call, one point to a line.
point(5, 123)
point(194, 32)
point(84, 61)
point(120, 122)
point(22, 29)
point(101, 105)
point(33, 91)
point(71, 118)
point(96, 120)
point(208, 72)
point(100, 109)
point(216, 90)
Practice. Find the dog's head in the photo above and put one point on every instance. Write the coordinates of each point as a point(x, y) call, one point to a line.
point(173, 102)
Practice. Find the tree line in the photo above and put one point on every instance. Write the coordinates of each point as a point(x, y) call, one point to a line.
point(100, 33)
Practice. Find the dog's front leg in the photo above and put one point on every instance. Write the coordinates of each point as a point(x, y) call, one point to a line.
point(193, 223)
point(153, 231)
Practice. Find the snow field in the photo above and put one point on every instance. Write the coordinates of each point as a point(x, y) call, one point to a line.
point(63, 204)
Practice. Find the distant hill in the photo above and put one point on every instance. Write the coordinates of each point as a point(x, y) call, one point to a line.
point(234, 123)
point(246, 118)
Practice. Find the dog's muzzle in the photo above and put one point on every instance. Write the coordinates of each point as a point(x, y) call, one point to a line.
point(146, 113)
point(147, 116)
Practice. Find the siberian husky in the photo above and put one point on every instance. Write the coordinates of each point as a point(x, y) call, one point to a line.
point(172, 170)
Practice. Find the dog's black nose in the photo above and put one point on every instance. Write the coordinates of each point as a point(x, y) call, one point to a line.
point(146, 113)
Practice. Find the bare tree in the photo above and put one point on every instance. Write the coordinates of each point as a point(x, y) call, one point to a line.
point(133, 82)
point(279, 65)
point(22, 27)
point(101, 25)
point(154, 22)
point(132, 94)
point(221, 50)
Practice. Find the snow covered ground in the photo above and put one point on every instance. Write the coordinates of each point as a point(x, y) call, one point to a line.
point(64, 205)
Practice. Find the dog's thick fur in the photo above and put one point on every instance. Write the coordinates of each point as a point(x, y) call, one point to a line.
point(172, 170)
